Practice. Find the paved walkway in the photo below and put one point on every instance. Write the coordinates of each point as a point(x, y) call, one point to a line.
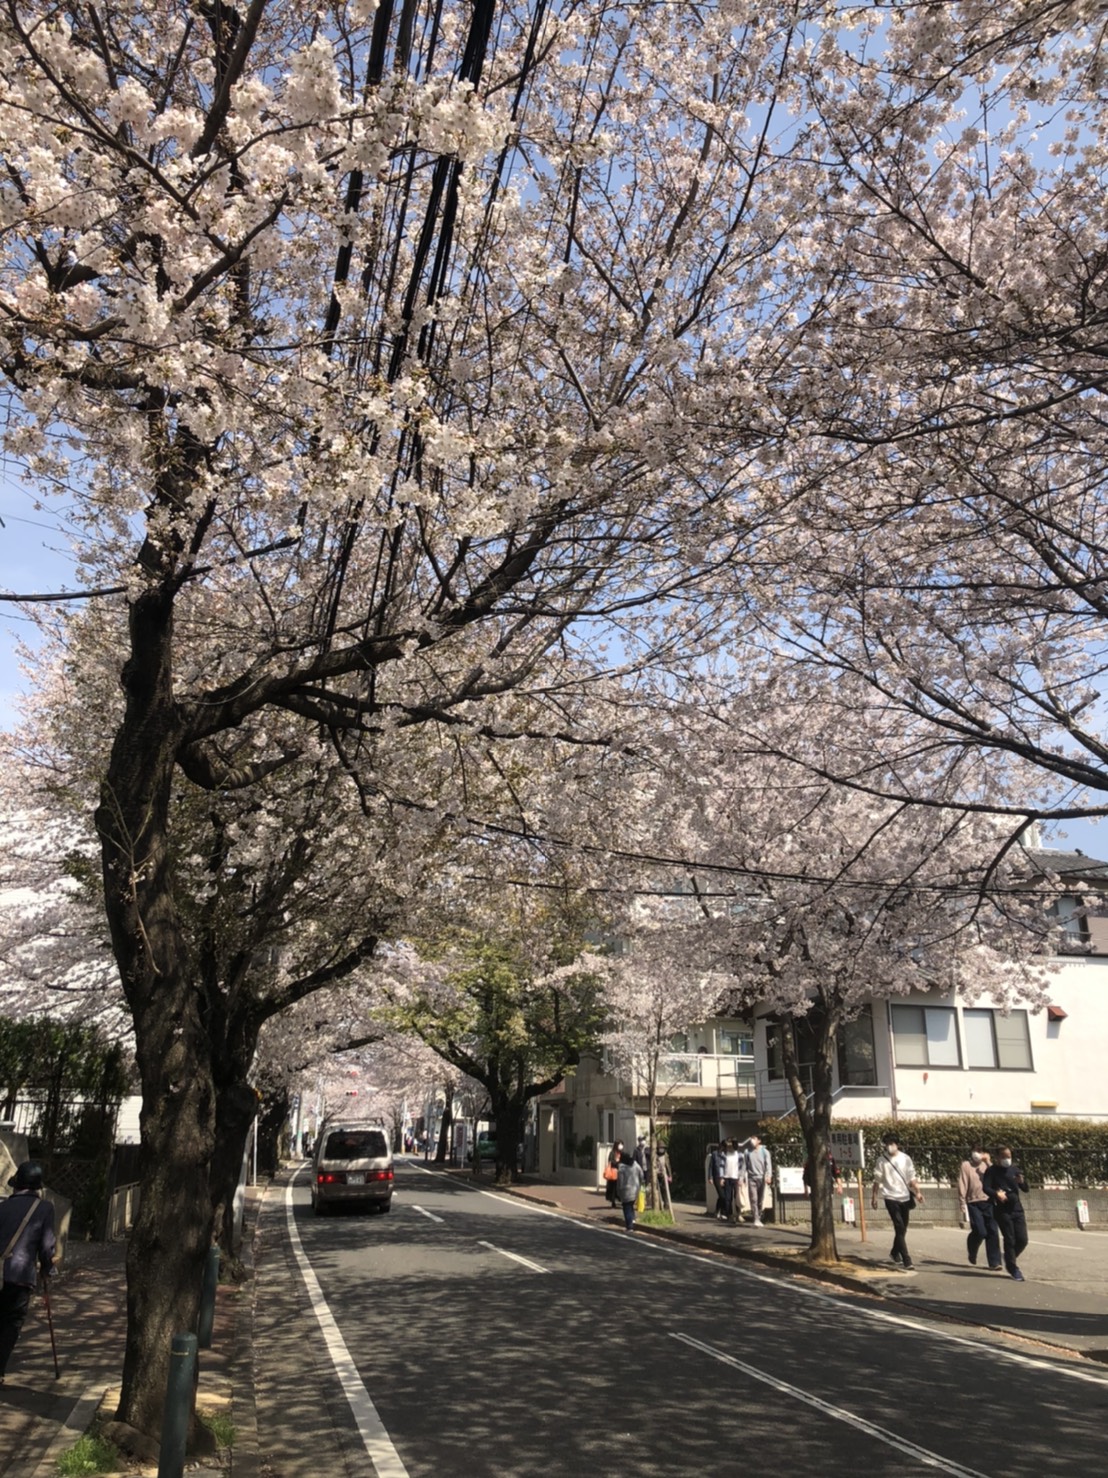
point(41, 1415)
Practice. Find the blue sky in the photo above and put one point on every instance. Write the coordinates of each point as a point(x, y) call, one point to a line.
point(35, 557)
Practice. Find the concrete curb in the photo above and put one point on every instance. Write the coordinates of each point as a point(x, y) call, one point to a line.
point(246, 1451)
point(74, 1426)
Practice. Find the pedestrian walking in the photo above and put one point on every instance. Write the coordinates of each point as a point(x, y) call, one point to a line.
point(611, 1174)
point(717, 1172)
point(641, 1154)
point(27, 1244)
point(759, 1168)
point(1002, 1183)
point(894, 1178)
point(629, 1184)
point(733, 1162)
point(977, 1209)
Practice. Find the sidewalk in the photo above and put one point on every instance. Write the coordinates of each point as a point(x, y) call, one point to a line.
point(1063, 1304)
point(41, 1416)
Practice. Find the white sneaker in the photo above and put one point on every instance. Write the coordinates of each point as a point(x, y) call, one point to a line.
point(759, 1223)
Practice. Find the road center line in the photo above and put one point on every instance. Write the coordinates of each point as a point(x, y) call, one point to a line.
point(378, 1444)
point(430, 1215)
point(839, 1413)
point(526, 1261)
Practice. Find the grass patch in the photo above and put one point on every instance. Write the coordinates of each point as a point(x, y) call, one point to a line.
point(88, 1456)
point(220, 1425)
point(655, 1219)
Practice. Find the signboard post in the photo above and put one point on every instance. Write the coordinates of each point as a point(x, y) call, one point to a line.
point(848, 1149)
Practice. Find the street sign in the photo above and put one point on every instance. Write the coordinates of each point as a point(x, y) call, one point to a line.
point(790, 1180)
point(848, 1148)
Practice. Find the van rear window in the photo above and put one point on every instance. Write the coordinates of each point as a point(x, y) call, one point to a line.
point(355, 1144)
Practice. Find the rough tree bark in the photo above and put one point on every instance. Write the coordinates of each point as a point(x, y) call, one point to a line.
point(815, 1120)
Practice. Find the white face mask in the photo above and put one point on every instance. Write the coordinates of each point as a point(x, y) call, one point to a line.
point(1007, 1161)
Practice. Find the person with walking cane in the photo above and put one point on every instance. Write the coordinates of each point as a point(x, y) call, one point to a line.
point(27, 1243)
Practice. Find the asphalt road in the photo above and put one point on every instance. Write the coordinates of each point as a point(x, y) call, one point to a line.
point(472, 1334)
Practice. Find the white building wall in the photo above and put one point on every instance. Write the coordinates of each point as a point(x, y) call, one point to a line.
point(1068, 1057)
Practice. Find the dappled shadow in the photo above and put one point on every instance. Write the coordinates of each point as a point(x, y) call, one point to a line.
point(479, 1366)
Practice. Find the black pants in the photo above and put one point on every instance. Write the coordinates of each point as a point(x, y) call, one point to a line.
point(14, 1299)
point(983, 1229)
point(899, 1212)
point(1013, 1229)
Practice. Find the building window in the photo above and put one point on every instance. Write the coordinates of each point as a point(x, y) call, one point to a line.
point(997, 1041)
point(857, 1060)
point(925, 1036)
point(1073, 925)
point(679, 1042)
point(735, 1043)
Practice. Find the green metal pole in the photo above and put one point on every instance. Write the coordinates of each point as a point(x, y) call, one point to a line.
point(207, 1299)
point(178, 1406)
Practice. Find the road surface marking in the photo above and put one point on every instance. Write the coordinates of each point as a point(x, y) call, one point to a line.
point(923, 1454)
point(430, 1215)
point(378, 1444)
point(842, 1303)
point(526, 1261)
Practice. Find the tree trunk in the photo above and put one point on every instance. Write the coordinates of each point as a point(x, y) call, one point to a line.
point(509, 1113)
point(815, 1121)
point(446, 1125)
point(172, 1233)
point(235, 1107)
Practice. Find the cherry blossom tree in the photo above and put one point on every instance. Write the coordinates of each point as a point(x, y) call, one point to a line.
point(818, 899)
point(373, 356)
point(956, 574)
point(654, 990)
point(508, 995)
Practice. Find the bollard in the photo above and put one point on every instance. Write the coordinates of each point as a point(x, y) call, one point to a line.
point(179, 1391)
point(206, 1321)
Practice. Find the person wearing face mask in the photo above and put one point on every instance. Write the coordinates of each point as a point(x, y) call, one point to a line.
point(894, 1178)
point(977, 1209)
point(1003, 1182)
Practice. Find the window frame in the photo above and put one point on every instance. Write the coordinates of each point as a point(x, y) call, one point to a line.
point(992, 1013)
point(928, 1065)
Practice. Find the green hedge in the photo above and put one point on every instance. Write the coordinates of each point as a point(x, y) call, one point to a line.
point(1050, 1150)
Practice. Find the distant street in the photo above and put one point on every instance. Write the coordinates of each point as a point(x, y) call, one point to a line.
point(466, 1333)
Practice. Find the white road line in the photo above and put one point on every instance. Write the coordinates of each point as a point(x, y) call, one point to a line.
point(842, 1303)
point(378, 1444)
point(526, 1261)
point(839, 1413)
point(430, 1215)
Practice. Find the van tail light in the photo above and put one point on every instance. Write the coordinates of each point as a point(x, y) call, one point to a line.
point(325, 1177)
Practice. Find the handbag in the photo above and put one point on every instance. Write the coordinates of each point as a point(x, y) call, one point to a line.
point(610, 1172)
point(640, 1202)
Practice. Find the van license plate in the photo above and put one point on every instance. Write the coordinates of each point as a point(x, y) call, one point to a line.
point(355, 1178)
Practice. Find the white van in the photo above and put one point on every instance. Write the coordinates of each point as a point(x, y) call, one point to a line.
point(353, 1163)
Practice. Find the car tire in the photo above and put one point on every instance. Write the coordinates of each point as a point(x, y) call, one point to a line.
point(319, 1207)
point(386, 1206)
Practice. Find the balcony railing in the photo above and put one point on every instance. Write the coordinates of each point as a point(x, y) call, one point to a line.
point(721, 1075)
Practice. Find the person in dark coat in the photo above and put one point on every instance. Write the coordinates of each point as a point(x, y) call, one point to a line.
point(27, 1242)
point(1002, 1183)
